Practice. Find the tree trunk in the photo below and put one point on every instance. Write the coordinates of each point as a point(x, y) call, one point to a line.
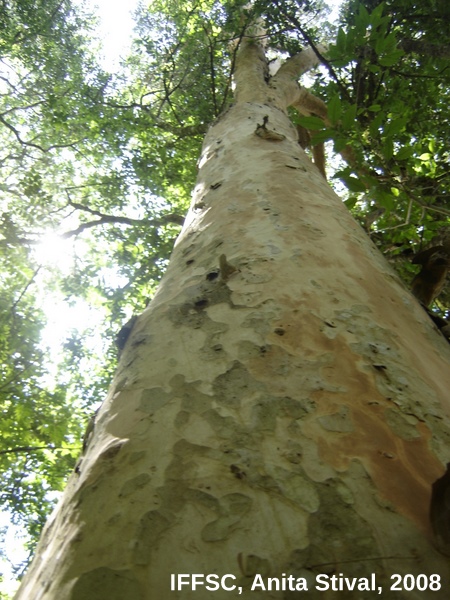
point(280, 408)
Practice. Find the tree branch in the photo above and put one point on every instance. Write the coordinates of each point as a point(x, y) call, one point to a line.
point(170, 218)
point(26, 449)
point(251, 68)
point(317, 49)
point(32, 144)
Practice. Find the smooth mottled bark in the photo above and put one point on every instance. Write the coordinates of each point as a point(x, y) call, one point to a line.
point(280, 407)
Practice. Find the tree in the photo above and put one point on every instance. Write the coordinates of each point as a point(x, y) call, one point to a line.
point(280, 407)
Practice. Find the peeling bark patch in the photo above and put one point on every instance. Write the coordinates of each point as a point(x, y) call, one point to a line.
point(104, 583)
point(185, 450)
point(113, 450)
point(293, 453)
point(338, 421)
point(250, 350)
point(136, 457)
point(182, 419)
point(256, 278)
point(153, 399)
point(252, 564)
point(183, 470)
point(260, 321)
point(233, 507)
point(391, 460)
point(295, 409)
point(192, 312)
point(172, 496)
point(192, 400)
point(203, 499)
point(134, 484)
point(212, 350)
point(337, 534)
point(405, 426)
point(299, 490)
point(150, 528)
point(264, 414)
point(235, 385)
point(226, 428)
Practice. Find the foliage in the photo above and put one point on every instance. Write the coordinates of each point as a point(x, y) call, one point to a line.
point(109, 162)
point(45, 98)
point(388, 91)
point(40, 437)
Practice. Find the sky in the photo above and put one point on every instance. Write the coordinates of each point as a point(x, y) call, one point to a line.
point(115, 27)
point(116, 31)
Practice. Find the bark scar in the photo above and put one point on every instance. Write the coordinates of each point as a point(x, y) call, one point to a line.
point(268, 134)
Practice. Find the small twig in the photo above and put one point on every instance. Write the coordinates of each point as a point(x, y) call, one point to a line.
point(24, 291)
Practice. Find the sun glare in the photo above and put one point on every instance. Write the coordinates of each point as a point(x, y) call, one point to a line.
point(55, 251)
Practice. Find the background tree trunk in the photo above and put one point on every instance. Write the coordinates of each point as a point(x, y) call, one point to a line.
point(280, 407)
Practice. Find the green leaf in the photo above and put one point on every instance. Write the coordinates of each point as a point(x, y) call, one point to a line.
point(375, 69)
point(334, 109)
point(362, 18)
point(391, 59)
point(381, 44)
point(351, 202)
point(386, 200)
point(321, 136)
point(391, 42)
point(354, 184)
point(339, 144)
point(404, 153)
point(396, 126)
point(349, 117)
point(341, 40)
point(377, 12)
point(312, 122)
point(388, 148)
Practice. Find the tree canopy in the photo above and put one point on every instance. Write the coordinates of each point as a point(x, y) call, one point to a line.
point(107, 161)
